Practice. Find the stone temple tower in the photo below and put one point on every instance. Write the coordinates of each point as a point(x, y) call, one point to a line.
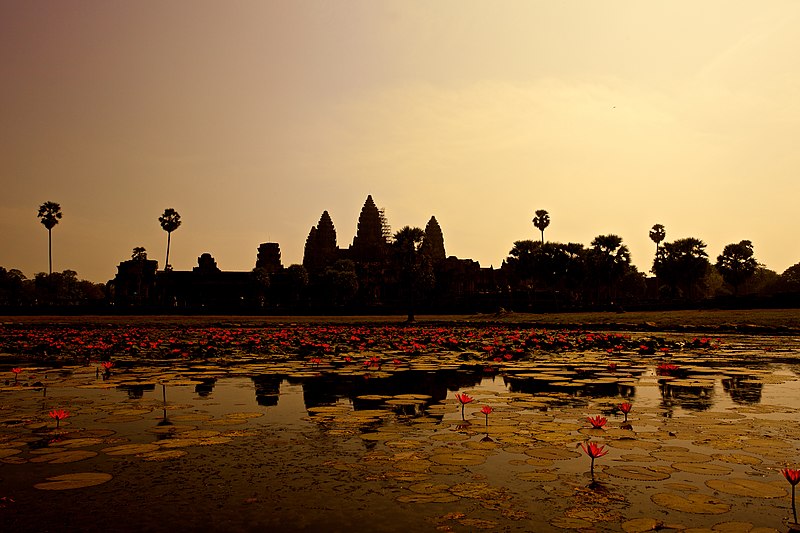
point(369, 244)
point(321, 250)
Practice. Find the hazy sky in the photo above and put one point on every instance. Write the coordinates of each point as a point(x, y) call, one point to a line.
point(252, 117)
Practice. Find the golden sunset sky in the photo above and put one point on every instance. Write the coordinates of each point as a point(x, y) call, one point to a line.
point(252, 117)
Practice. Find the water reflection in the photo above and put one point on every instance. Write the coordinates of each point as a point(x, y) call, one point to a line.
point(691, 395)
point(205, 387)
point(136, 391)
point(743, 390)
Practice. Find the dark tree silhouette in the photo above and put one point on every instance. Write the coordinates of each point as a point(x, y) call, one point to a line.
point(682, 265)
point(50, 213)
point(541, 221)
point(414, 268)
point(170, 221)
point(340, 283)
point(657, 234)
point(609, 261)
point(737, 264)
point(139, 254)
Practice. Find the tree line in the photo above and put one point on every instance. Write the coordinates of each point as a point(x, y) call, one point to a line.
point(571, 275)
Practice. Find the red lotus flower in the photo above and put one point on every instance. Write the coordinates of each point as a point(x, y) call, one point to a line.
point(108, 365)
point(593, 450)
point(597, 422)
point(59, 415)
point(464, 399)
point(666, 369)
point(625, 408)
point(16, 371)
point(486, 410)
point(791, 475)
point(612, 367)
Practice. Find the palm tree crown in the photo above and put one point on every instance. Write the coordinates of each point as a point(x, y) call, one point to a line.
point(541, 221)
point(170, 221)
point(50, 213)
point(657, 234)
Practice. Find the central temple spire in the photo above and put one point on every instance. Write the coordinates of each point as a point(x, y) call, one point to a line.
point(369, 244)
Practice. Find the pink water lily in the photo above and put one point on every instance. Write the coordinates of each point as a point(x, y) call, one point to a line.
point(792, 475)
point(59, 415)
point(625, 408)
point(464, 399)
point(593, 450)
point(486, 410)
point(597, 422)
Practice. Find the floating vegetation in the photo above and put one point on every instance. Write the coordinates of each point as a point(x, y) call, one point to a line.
point(483, 424)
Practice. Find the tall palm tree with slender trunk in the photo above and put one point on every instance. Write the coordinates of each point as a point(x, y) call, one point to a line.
point(414, 268)
point(657, 234)
point(50, 213)
point(170, 221)
point(541, 221)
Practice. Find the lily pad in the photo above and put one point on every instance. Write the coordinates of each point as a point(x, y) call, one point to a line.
point(746, 487)
point(74, 481)
point(690, 503)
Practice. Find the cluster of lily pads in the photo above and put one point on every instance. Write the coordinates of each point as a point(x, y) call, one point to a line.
point(543, 391)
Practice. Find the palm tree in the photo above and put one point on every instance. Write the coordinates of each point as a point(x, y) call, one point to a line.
point(170, 221)
point(50, 213)
point(657, 234)
point(541, 221)
point(415, 273)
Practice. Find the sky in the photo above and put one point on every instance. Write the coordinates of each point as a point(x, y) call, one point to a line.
point(251, 118)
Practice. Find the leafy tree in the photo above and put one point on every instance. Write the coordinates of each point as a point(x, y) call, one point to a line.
point(139, 254)
point(11, 287)
point(170, 221)
point(414, 268)
point(541, 221)
point(609, 261)
point(261, 282)
point(340, 283)
point(737, 264)
point(520, 262)
point(682, 265)
point(294, 282)
point(789, 280)
point(50, 214)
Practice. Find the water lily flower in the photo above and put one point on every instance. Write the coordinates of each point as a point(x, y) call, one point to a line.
point(464, 399)
point(59, 415)
point(486, 410)
point(666, 369)
point(593, 450)
point(792, 475)
point(16, 371)
point(625, 408)
point(597, 422)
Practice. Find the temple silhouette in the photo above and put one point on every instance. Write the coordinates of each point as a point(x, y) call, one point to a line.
point(363, 277)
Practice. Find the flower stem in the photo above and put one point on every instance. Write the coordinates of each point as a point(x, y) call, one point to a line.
point(794, 509)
